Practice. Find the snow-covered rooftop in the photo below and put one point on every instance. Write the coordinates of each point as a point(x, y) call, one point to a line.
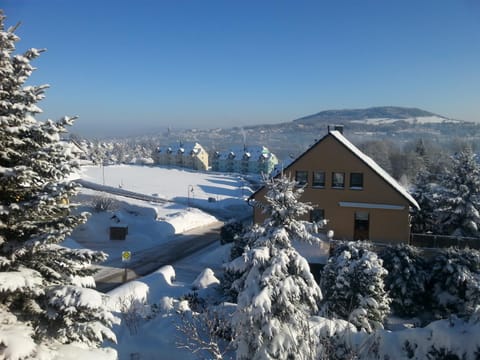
point(250, 153)
point(185, 148)
point(375, 167)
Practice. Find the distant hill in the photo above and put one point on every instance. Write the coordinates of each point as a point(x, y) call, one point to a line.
point(373, 115)
point(289, 139)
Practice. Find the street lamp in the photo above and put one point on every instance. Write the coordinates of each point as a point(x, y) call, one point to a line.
point(190, 190)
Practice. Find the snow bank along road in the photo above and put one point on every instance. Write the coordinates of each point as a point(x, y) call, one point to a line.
point(143, 262)
point(120, 192)
point(220, 213)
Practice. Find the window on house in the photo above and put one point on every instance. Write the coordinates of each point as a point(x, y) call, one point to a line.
point(317, 215)
point(318, 179)
point(338, 180)
point(356, 180)
point(301, 177)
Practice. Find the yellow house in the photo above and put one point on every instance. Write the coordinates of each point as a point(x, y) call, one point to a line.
point(359, 199)
point(187, 155)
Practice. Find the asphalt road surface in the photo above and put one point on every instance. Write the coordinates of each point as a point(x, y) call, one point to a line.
point(145, 261)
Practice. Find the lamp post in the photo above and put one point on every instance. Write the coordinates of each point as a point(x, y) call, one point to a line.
point(190, 190)
point(103, 172)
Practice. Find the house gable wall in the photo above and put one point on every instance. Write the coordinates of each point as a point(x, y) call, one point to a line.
point(387, 209)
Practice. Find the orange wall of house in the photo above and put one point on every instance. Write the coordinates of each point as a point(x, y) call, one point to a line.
point(331, 156)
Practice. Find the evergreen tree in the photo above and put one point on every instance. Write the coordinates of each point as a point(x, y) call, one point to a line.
point(460, 205)
point(277, 291)
point(352, 283)
point(42, 284)
point(406, 280)
point(426, 192)
point(455, 282)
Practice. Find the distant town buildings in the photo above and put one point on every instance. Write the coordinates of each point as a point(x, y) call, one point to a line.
point(245, 159)
point(188, 155)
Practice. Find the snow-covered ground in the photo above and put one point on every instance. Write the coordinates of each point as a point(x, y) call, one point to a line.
point(215, 192)
point(151, 224)
point(158, 336)
point(150, 308)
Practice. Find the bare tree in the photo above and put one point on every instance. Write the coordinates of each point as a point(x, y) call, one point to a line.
point(104, 203)
point(132, 310)
point(208, 332)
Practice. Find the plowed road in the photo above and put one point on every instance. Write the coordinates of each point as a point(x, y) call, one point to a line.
point(145, 261)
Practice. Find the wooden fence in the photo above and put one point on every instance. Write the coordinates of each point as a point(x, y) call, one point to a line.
point(443, 241)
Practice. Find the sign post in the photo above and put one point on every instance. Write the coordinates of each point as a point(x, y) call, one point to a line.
point(126, 257)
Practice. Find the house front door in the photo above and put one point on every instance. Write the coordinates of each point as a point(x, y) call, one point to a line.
point(361, 226)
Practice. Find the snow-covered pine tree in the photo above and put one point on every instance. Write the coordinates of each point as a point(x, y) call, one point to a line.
point(427, 193)
point(231, 281)
point(352, 283)
point(42, 284)
point(460, 205)
point(277, 291)
point(455, 282)
point(406, 280)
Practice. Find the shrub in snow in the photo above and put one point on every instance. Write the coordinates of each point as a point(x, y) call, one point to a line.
point(207, 332)
point(195, 302)
point(230, 231)
point(104, 203)
point(41, 283)
point(455, 282)
point(460, 203)
point(337, 339)
point(453, 338)
point(132, 311)
point(406, 280)
point(352, 284)
point(277, 292)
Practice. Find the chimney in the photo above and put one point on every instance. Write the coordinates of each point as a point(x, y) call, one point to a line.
point(338, 128)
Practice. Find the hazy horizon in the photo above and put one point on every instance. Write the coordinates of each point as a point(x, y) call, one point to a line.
point(125, 66)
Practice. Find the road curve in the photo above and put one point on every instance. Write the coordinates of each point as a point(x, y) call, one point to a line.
point(145, 261)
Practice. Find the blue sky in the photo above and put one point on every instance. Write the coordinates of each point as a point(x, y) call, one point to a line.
point(130, 67)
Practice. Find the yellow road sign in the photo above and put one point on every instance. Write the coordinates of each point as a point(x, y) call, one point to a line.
point(126, 255)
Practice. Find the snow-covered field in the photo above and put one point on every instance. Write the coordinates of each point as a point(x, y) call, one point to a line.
point(207, 190)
